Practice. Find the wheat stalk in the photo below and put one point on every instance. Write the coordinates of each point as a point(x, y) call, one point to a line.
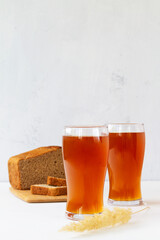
point(107, 219)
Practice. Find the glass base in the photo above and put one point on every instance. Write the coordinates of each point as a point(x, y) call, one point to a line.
point(138, 202)
point(76, 216)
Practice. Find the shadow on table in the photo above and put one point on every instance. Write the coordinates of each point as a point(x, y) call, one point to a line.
point(153, 202)
point(109, 231)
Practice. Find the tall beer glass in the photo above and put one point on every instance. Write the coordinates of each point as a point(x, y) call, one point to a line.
point(126, 153)
point(85, 154)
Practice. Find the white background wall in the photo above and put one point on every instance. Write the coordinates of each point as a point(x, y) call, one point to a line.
point(76, 62)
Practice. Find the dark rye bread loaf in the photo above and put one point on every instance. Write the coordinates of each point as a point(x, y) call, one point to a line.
point(35, 166)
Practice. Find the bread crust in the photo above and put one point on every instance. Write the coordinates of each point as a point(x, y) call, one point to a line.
point(39, 190)
point(48, 190)
point(53, 181)
point(33, 153)
point(14, 174)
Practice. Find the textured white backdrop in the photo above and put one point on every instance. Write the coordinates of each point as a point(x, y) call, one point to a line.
point(76, 62)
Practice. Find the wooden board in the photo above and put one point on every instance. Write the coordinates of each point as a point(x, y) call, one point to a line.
point(27, 196)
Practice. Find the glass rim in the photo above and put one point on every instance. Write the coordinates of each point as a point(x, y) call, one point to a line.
point(135, 124)
point(85, 126)
point(125, 127)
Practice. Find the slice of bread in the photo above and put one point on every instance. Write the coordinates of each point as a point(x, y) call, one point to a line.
point(35, 166)
point(54, 181)
point(44, 189)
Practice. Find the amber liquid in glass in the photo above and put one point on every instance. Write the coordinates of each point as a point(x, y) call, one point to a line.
point(85, 162)
point(126, 153)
